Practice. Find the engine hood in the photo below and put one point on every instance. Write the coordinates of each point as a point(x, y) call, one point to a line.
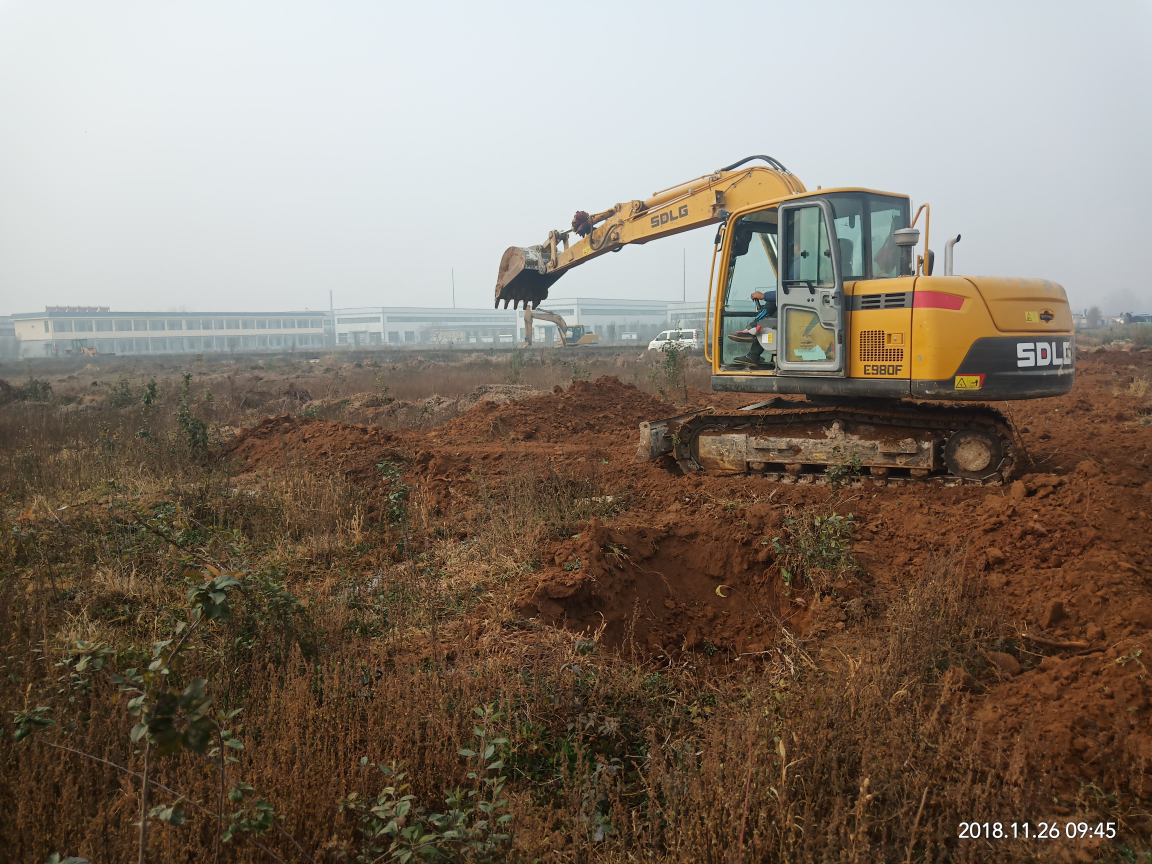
point(1025, 305)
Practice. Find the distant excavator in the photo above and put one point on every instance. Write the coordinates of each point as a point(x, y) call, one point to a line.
point(80, 346)
point(569, 334)
point(826, 295)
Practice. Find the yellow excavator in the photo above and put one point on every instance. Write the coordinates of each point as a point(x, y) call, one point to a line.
point(824, 294)
point(569, 334)
point(80, 346)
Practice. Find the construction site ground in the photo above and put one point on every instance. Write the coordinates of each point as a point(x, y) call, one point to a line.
point(683, 564)
point(670, 570)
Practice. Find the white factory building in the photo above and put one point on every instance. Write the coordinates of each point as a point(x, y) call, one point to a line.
point(62, 330)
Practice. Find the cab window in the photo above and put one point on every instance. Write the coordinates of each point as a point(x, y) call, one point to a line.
point(885, 252)
point(807, 255)
point(751, 267)
point(848, 217)
point(865, 225)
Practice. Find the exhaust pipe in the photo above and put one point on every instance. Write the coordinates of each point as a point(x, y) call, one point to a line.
point(952, 241)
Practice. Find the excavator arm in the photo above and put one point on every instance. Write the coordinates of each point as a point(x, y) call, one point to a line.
point(526, 273)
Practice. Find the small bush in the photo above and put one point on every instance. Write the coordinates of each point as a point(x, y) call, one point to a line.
point(814, 547)
point(669, 377)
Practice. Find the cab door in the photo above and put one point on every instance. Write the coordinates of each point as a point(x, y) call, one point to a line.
point(811, 297)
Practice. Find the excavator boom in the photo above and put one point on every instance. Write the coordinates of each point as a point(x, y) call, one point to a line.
point(527, 272)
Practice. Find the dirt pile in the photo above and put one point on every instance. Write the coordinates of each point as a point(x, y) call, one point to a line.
point(588, 411)
point(283, 443)
point(379, 408)
point(1083, 717)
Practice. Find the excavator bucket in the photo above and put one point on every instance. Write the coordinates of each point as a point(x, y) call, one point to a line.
point(522, 278)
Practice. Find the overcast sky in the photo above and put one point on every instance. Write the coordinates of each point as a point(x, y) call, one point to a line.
point(249, 156)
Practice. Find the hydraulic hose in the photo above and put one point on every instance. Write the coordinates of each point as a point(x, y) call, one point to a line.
point(767, 159)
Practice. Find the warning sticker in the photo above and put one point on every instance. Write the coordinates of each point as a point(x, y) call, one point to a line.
point(969, 382)
point(1031, 317)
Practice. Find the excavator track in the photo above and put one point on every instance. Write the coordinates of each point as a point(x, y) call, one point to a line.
point(891, 443)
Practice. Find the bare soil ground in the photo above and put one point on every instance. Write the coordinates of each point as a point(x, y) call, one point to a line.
point(1065, 549)
point(1049, 692)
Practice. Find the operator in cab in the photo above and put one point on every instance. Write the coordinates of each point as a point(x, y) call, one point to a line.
point(751, 334)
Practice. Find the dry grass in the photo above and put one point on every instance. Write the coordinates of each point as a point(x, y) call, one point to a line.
point(1139, 387)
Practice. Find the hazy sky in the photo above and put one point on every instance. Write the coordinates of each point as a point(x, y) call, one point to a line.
point(244, 156)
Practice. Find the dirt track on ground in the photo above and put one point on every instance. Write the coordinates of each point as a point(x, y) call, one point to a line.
point(686, 565)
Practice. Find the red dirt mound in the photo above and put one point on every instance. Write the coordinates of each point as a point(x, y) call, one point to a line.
point(280, 443)
point(670, 588)
point(1083, 718)
point(585, 412)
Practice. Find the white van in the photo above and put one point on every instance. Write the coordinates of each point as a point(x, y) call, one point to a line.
point(683, 338)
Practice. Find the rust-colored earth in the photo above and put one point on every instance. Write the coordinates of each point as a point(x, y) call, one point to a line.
point(687, 565)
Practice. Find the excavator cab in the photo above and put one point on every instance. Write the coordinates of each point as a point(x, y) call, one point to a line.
point(577, 334)
point(807, 250)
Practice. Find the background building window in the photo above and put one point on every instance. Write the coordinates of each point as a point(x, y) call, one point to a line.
point(104, 325)
point(155, 324)
point(393, 336)
point(248, 324)
point(140, 324)
point(232, 324)
point(175, 325)
point(61, 326)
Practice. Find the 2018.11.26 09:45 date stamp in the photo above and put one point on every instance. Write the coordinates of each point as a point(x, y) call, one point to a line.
point(1038, 830)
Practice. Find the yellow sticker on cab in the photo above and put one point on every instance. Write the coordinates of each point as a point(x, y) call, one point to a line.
point(969, 382)
point(1031, 317)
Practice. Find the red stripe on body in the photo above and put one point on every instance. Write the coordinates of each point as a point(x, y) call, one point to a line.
point(936, 300)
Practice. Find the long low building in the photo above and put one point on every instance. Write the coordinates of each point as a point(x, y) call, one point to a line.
point(63, 330)
point(70, 329)
point(398, 326)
